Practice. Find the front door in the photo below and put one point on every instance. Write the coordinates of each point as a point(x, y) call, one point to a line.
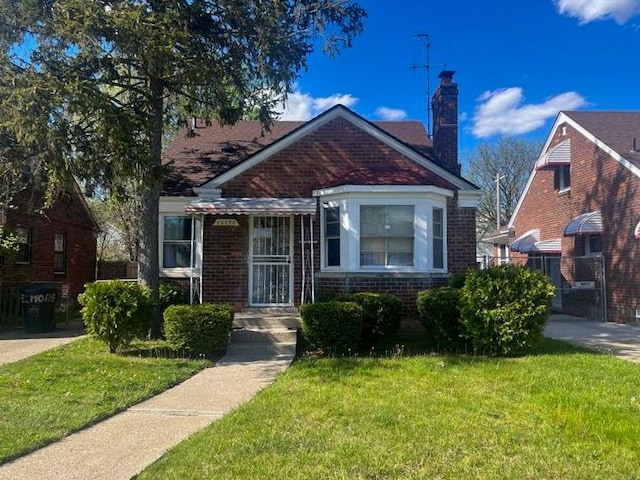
point(270, 276)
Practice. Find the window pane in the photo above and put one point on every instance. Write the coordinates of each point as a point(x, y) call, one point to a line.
point(372, 221)
point(177, 228)
point(438, 253)
point(332, 214)
point(400, 245)
point(176, 255)
point(333, 252)
point(23, 236)
point(332, 230)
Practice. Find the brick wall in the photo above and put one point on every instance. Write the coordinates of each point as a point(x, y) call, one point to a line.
point(337, 153)
point(461, 237)
point(598, 182)
point(69, 216)
point(404, 285)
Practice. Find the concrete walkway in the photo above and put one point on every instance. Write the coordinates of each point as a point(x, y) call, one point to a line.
point(125, 444)
point(15, 346)
point(616, 339)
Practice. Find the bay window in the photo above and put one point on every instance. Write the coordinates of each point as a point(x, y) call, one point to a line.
point(332, 236)
point(386, 235)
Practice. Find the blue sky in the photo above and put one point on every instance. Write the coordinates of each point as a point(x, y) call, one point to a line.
point(517, 63)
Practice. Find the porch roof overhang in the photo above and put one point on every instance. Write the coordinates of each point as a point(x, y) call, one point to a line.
point(553, 245)
point(558, 155)
point(589, 223)
point(525, 241)
point(253, 206)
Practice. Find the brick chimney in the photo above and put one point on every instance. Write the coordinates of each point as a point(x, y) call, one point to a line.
point(444, 106)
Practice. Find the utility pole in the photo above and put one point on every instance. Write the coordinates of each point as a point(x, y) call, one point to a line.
point(498, 178)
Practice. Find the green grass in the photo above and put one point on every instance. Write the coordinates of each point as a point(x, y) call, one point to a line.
point(52, 394)
point(563, 413)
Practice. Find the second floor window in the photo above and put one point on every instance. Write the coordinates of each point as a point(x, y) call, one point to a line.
point(59, 253)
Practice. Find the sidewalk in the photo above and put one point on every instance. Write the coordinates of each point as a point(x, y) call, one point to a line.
point(125, 444)
point(613, 338)
point(15, 346)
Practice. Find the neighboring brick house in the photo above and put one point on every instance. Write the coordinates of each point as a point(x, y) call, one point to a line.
point(333, 205)
point(55, 245)
point(576, 217)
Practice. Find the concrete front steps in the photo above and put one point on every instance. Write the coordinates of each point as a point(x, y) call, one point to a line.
point(262, 333)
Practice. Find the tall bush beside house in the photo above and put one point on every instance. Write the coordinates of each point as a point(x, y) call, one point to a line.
point(332, 326)
point(381, 314)
point(116, 312)
point(172, 294)
point(439, 311)
point(198, 329)
point(504, 309)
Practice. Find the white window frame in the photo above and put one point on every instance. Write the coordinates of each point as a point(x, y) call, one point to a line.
point(351, 197)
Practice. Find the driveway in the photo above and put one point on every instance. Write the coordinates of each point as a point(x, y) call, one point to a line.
point(17, 345)
point(620, 340)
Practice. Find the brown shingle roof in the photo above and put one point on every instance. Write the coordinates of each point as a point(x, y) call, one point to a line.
point(616, 129)
point(213, 149)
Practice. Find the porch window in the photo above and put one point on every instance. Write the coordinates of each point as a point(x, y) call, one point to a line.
point(176, 243)
point(438, 238)
point(23, 239)
point(59, 253)
point(386, 235)
point(332, 236)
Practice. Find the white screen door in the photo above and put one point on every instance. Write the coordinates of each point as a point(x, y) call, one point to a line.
point(270, 277)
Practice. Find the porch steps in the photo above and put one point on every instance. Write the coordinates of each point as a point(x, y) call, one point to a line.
point(259, 333)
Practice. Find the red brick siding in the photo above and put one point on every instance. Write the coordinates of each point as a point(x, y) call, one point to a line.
point(598, 182)
point(404, 285)
point(461, 237)
point(68, 216)
point(337, 153)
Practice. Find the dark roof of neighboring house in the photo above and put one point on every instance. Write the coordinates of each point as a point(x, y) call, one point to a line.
point(214, 149)
point(617, 129)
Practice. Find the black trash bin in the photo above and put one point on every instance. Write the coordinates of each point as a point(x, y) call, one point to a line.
point(38, 304)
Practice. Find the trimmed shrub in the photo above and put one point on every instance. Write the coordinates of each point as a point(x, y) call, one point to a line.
point(116, 312)
point(332, 326)
point(172, 294)
point(504, 309)
point(381, 314)
point(457, 280)
point(198, 329)
point(440, 314)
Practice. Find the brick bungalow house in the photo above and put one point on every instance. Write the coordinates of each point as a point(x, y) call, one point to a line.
point(333, 205)
point(57, 245)
point(577, 215)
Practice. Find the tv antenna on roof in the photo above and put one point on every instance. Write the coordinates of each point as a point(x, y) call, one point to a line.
point(427, 68)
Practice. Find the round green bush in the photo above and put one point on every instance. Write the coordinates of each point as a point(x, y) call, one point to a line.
point(332, 326)
point(116, 312)
point(381, 314)
point(198, 329)
point(172, 294)
point(440, 314)
point(504, 309)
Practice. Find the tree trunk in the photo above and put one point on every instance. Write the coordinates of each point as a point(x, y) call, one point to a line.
point(148, 261)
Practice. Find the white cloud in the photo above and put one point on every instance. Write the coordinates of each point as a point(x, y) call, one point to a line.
point(387, 113)
point(302, 106)
point(589, 10)
point(501, 112)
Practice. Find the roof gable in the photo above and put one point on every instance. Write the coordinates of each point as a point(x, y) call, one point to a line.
point(205, 163)
point(613, 132)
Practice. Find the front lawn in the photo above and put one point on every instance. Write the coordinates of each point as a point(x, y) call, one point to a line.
point(561, 414)
point(52, 394)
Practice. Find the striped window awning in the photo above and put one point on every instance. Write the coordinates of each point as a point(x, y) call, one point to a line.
point(553, 245)
point(254, 206)
point(525, 241)
point(586, 224)
point(556, 156)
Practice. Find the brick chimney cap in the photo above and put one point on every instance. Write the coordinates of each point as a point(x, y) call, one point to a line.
point(447, 74)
